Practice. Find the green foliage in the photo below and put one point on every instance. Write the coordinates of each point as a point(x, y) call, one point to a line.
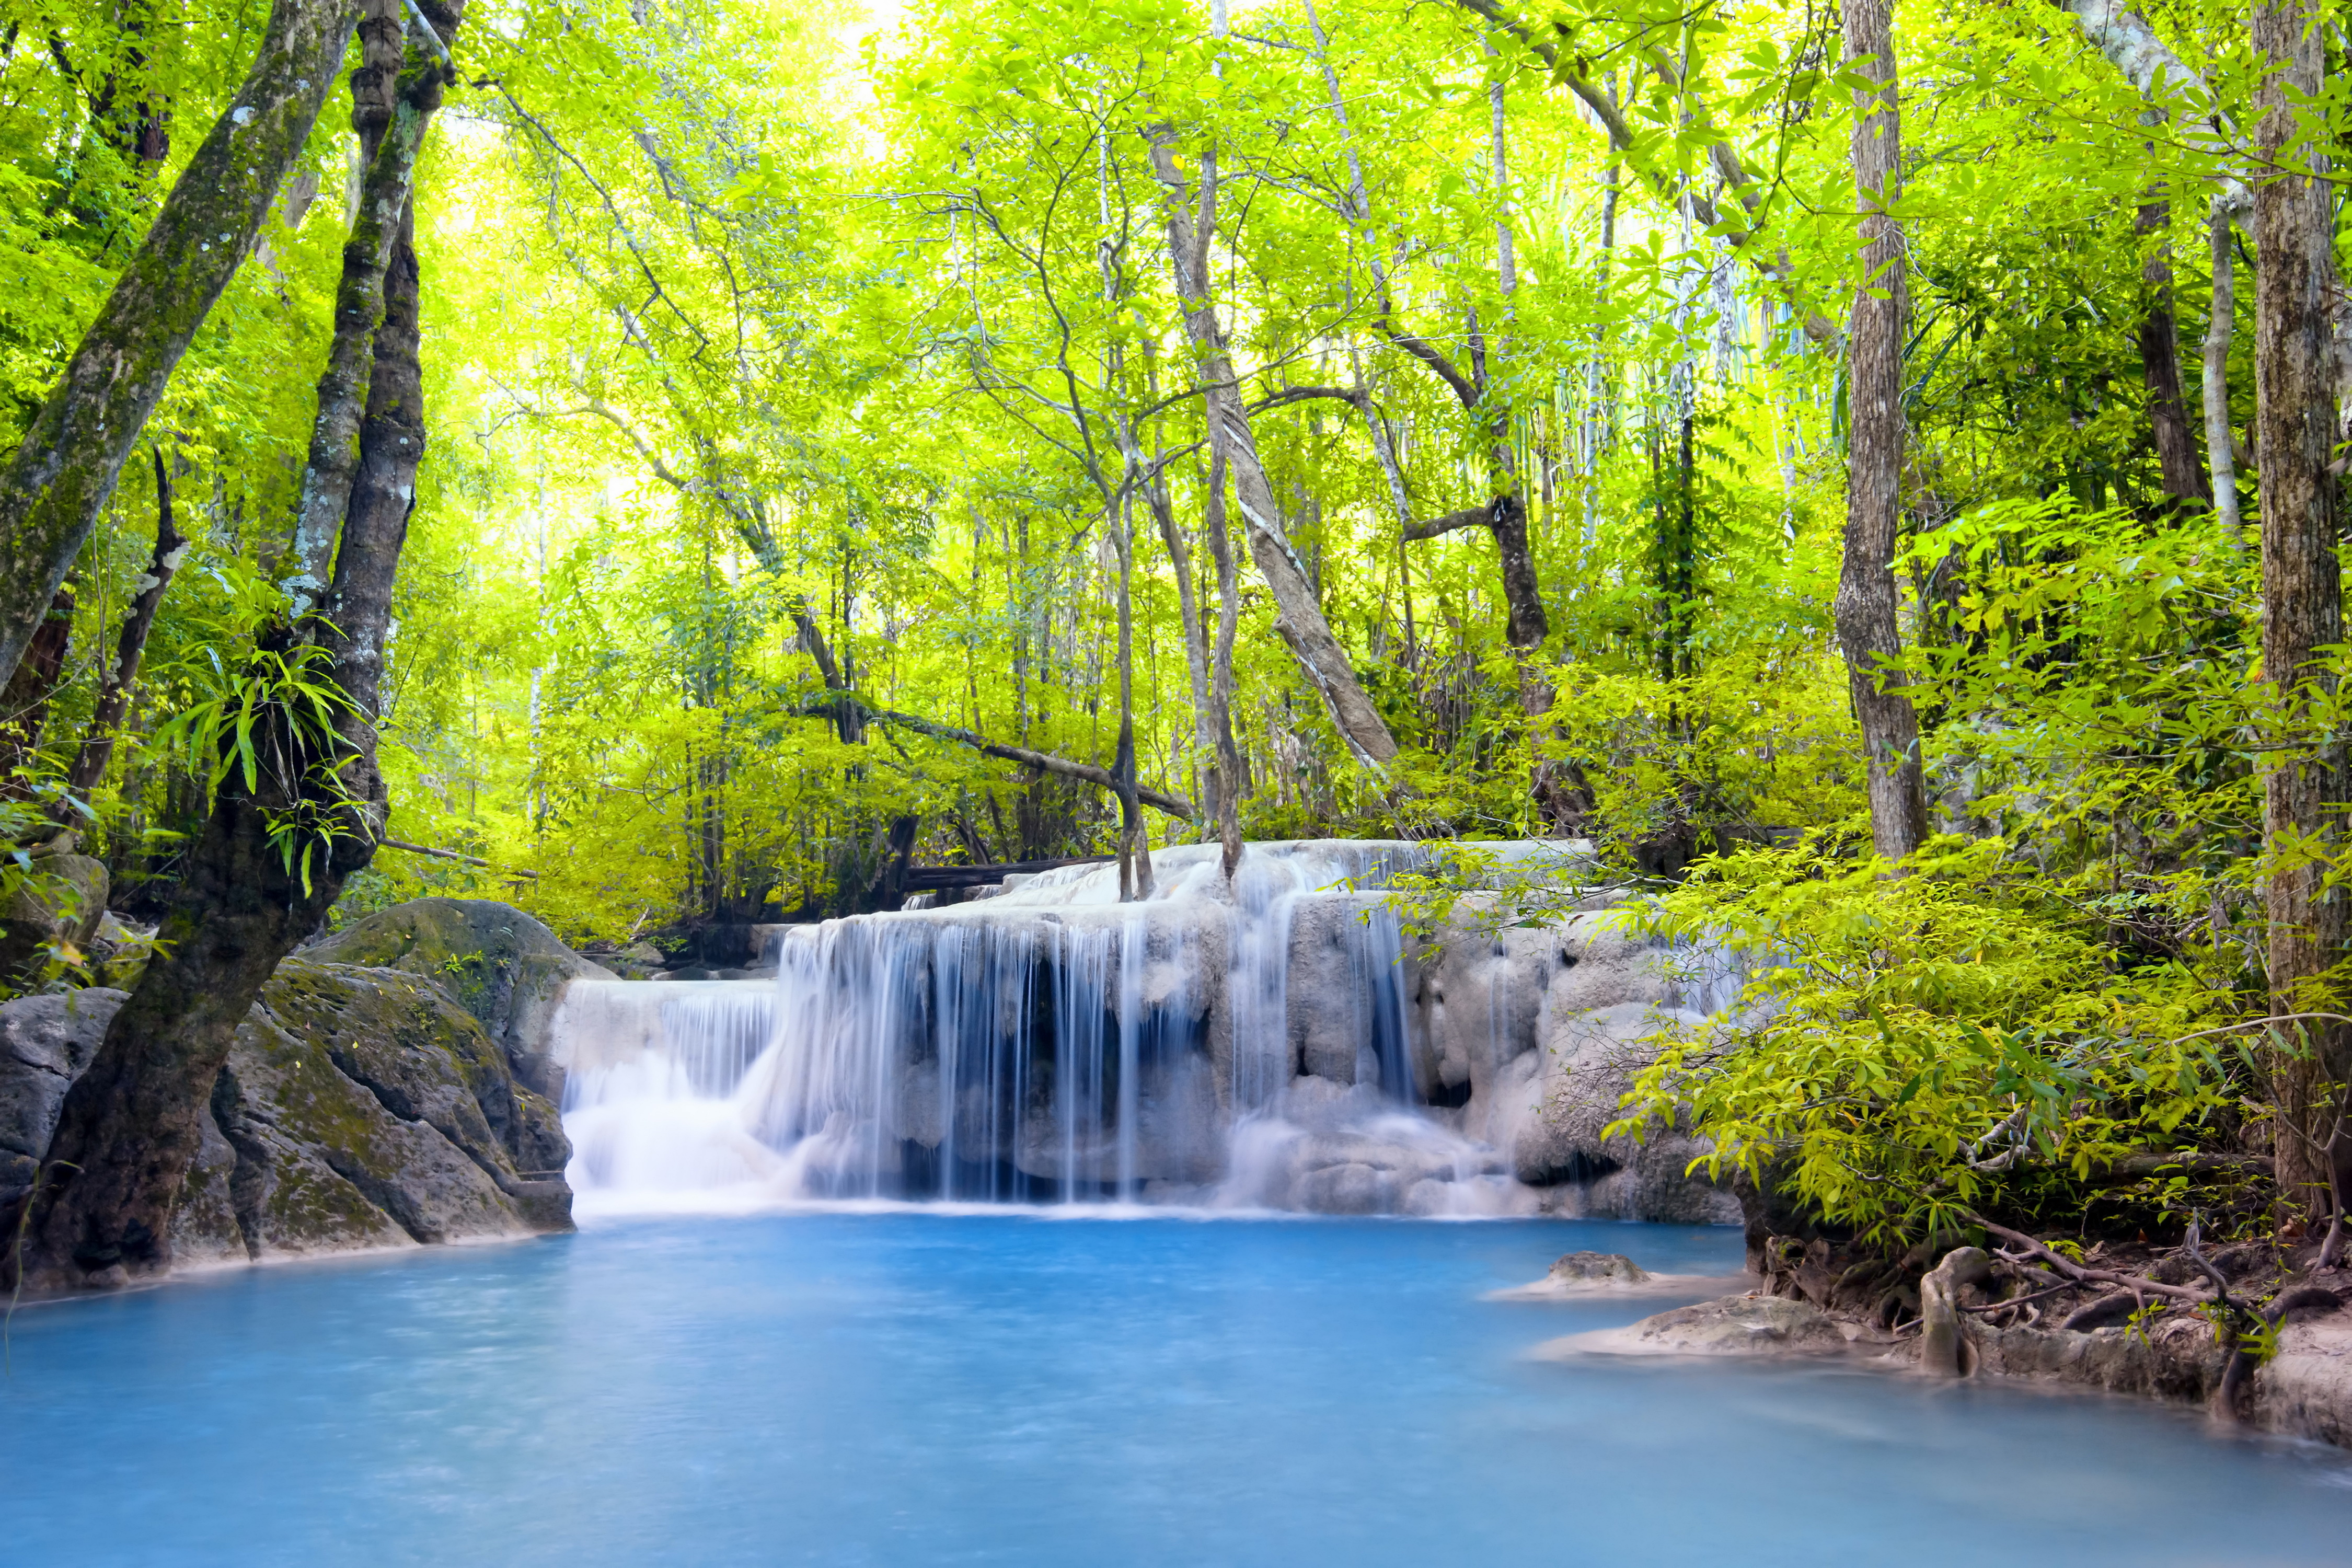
point(743, 325)
point(1907, 1049)
point(275, 731)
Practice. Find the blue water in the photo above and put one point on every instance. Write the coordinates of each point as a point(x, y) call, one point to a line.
point(910, 1388)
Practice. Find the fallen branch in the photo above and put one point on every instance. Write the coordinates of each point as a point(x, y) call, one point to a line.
point(1045, 761)
point(451, 855)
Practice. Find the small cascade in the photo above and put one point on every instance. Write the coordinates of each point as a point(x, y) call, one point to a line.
point(1255, 1047)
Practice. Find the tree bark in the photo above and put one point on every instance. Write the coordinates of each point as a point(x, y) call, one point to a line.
point(2221, 454)
point(24, 700)
point(1298, 619)
point(377, 116)
point(1866, 607)
point(114, 697)
point(129, 1128)
point(2294, 395)
point(2159, 357)
point(68, 464)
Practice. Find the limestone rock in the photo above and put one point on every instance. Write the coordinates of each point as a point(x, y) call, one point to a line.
point(359, 1108)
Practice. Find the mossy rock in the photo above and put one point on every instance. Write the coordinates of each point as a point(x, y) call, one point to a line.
point(494, 961)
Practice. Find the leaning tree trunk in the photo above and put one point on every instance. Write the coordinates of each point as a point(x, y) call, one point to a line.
point(2159, 357)
point(1299, 618)
point(131, 647)
point(2294, 395)
point(1867, 604)
point(129, 1129)
point(66, 467)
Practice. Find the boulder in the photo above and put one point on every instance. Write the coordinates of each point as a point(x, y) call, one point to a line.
point(45, 1044)
point(359, 1109)
point(1606, 991)
point(496, 963)
point(61, 900)
point(1596, 1268)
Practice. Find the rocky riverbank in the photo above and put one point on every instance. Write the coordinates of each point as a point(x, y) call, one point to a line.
point(391, 1089)
point(2283, 1362)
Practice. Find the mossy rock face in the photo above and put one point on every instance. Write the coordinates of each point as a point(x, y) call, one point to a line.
point(496, 963)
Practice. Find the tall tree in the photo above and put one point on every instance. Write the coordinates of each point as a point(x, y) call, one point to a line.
point(1866, 607)
point(69, 460)
point(2302, 595)
point(1298, 619)
point(289, 829)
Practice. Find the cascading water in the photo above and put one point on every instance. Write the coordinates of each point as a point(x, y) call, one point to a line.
point(1250, 1047)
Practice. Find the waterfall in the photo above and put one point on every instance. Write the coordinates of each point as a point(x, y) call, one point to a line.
point(1250, 1046)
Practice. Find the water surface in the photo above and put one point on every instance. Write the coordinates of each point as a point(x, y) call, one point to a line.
point(906, 1388)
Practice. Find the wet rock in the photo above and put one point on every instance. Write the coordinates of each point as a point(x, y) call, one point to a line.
point(1596, 1268)
point(1592, 1055)
point(1736, 1325)
point(45, 1044)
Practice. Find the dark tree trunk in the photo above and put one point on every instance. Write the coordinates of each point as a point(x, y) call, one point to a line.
point(1866, 607)
point(68, 464)
point(377, 229)
point(2294, 392)
point(127, 1132)
point(25, 701)
point(114, 696)
point(2159, 358)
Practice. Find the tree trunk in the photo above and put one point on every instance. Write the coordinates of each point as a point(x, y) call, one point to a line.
point(114, 696)
point(1867, 604)
point(25, 701)
point(334, 457)
point(1231, 782)
point(2295, 394)
point(2159, 358)
point(129, 1128)
point(68, 464)
point(1298, 621)
point(1134, 847)
point(2220, 454)
point(1209, 717)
